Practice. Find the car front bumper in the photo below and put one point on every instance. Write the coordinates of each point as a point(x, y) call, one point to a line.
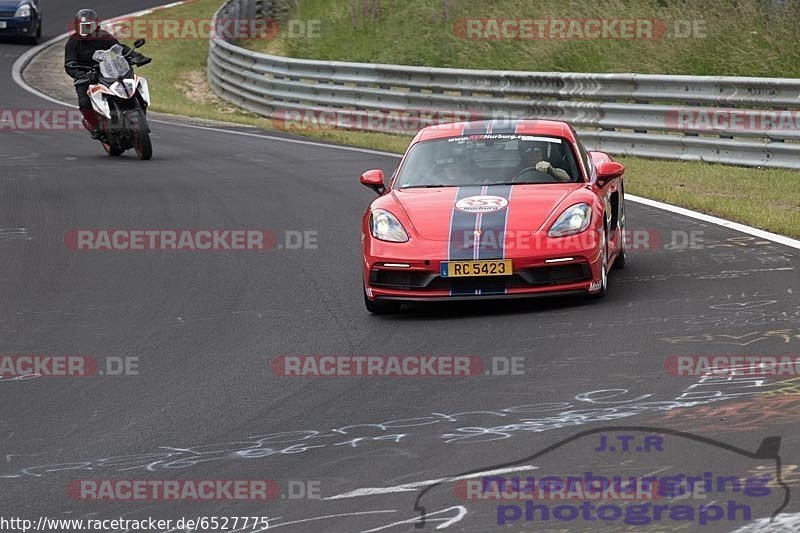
point(17, 27)
point(402, 272)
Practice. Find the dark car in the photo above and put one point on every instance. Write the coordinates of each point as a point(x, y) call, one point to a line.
point(21, 19)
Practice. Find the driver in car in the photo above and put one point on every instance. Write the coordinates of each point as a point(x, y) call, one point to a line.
point(456, 171)
point(82, 44)
point(450, 167)
point(533, 158)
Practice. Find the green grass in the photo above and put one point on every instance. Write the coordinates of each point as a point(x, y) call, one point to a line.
point(729, 37)
point(765, 198)
point(769, 199)
point(177, 75)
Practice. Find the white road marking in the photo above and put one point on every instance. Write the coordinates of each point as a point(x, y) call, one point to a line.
point(784, 523)
point(280, 139)
point(761, 234)
point(411, 487)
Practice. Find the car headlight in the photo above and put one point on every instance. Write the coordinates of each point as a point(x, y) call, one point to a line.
point(574, 219)
point(23, 11)
point(384, 226)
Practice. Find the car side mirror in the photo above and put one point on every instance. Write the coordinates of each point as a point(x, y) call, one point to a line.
point(138, 43)
point(608, 170)
point(374, 180)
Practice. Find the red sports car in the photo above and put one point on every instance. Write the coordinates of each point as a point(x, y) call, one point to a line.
point(493, 209)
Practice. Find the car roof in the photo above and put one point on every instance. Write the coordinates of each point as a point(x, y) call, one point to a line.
point(554, 128)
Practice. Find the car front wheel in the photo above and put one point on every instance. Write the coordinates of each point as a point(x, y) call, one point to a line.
point(622, 257)
point(603, 268)
point(37, 37)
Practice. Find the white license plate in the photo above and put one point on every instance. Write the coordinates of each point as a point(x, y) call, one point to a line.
point(3, 24)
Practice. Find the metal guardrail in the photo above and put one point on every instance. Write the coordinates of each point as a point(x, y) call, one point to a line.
point(730, 120)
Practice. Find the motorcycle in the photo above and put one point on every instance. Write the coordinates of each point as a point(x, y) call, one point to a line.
point(121, 99)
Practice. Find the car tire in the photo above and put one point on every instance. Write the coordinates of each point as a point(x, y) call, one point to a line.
point(37, 38)
point(380, 308)
point(604, 270)
point(619, 262)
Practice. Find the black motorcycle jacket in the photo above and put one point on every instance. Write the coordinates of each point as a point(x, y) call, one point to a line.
point(79, 50)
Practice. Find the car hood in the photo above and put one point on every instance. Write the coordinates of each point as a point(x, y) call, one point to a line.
point(431, 211)
point(10, 5)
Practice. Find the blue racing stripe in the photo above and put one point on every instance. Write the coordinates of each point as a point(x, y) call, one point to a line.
point(504, 126)
point(478, 236)
point(491, 242)
point(462, 244)
point(462, 227)
point(477, 128)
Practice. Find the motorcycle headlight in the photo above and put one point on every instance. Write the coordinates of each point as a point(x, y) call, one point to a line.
point(573, 220)
point(385, 227)
point(24, 11)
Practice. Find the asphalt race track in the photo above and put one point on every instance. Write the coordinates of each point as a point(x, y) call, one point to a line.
point(205, 327)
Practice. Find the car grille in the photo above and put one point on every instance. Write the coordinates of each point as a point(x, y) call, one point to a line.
point(525, 278)
point(557, 274)
point(400, 279)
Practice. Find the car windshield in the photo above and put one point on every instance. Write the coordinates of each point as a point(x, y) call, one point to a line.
point(488, 160)
point(112, 62)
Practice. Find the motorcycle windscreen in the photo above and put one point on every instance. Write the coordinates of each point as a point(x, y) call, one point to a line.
point(112, 62)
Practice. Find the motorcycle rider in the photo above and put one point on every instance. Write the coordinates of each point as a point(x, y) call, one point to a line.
point(87, 38)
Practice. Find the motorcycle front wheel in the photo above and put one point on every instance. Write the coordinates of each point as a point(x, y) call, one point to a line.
point(141, 138)
point(112, 151)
